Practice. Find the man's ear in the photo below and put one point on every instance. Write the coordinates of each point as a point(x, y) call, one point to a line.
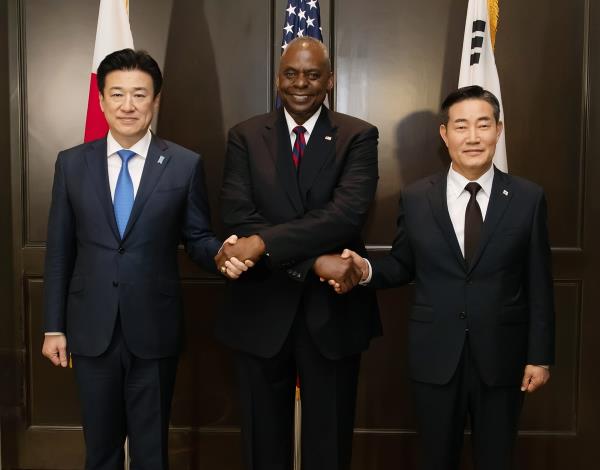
point(444, 133)
point(499, 128)
point(330, 82)
point(101, 100)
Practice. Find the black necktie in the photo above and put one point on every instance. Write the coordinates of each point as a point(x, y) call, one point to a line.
point(473, 223)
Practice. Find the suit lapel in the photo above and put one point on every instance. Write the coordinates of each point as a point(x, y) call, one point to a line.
point(97, 163)
point(151, 173)
point(500, 197)
point(439, 207)
point(277, 139)
point(318, 151)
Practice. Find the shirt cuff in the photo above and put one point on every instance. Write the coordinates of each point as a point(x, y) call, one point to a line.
point(370, 275)
point(53, 333)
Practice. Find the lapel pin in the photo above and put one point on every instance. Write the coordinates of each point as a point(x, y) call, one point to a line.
point(505, 192)
point(161, 159)
point(327, 137)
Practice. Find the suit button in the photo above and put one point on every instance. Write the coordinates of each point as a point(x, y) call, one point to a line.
point(121, 250)
point(115, 284)
point(462, 315)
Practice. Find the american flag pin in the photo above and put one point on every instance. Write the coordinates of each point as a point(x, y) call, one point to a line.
point(505, 192)
point(327, 137)
point(161, 159)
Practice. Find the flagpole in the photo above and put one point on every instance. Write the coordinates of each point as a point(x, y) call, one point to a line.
point(297, 430)
point(127, 459)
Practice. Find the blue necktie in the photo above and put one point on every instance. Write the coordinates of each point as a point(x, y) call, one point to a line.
point(123, 201)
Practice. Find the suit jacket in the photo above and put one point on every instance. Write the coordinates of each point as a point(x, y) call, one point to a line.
point(504, 298)
point(91, 274)
point(321, 208)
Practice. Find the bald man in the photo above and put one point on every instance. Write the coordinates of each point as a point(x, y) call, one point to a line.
point(298, 184)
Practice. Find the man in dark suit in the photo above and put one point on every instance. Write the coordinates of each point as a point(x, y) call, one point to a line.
point(298, 184)
point(120, 207)
point(474, 241)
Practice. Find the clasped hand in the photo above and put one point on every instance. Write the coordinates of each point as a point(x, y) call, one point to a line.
point(238, 254)
point(343, 271)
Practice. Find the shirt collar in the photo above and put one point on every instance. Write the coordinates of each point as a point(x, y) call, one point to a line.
point(457, 182)
point(140, 147)
point(309, 125)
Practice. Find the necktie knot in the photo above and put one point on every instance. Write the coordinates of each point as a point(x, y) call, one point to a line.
point(473, 188)
point(299, 130)
point(125, 155)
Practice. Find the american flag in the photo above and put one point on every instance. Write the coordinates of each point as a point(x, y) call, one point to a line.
point(302, 18)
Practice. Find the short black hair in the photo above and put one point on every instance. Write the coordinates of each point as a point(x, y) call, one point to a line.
point(128, 59)
point(473, 92)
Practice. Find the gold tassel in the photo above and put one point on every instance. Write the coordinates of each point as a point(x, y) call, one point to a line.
point(70, 361)
point(494, 14)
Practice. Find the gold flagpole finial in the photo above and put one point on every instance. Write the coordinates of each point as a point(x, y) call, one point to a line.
point(494, 14)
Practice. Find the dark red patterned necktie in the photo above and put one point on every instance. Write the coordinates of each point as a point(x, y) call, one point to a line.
point(299, 144)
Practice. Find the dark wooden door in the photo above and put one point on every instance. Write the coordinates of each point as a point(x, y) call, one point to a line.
point(394, 62)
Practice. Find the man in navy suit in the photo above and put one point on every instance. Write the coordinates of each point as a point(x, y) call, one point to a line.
point(474, 241)
point(120, 207)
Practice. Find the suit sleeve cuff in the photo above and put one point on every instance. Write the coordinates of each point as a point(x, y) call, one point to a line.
point(370, 275)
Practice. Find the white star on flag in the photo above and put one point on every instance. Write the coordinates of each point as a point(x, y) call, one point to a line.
point(291, 10)
point(300, 33)
point(313, 4)
point(288, 28)
point(310, 22)
point(302, 14)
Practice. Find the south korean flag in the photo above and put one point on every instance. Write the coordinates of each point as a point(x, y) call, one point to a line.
point(478, 66)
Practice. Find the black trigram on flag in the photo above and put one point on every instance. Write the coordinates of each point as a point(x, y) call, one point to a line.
point(477, 40)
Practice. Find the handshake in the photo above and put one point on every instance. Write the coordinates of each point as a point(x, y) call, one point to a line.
point(341, 271)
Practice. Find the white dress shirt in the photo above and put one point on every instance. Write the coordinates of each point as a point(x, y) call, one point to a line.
point(457, 198)
point(309, 125)
point(135, 165)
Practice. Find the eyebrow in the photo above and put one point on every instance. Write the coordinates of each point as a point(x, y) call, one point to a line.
point(479, 119)
point(137, 88)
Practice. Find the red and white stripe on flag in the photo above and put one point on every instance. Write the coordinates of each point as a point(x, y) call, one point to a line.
point(478, 65)
point(112, 34)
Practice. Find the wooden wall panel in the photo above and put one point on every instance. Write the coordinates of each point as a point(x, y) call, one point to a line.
point(395, 80)
point(394, 61)
point(51, 393)
point(206, 391)
point(543, 83)
point(9, 372)
point(211, 82)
